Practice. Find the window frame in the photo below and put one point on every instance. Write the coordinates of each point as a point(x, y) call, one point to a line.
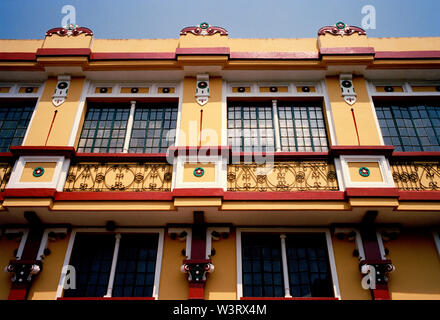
point(280, 231)
point(159, 257)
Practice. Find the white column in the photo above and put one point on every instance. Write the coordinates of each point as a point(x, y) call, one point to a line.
point(111, 279)
point(276, 125)
point(129, 127)
point(285, 269)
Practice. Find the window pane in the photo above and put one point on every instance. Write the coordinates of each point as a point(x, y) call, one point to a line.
point(298, 122)
point(250, 127)
point(104, 125)
point(14, 120)
point(309, 271)
point(152, 127)
point(136, 265)
point(92, 264)
point(262, 274)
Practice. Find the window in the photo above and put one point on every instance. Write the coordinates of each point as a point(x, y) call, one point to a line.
point(14, 120)
point(104, 129)
point(302, 127)
point(278, 125)
point(151, 127)
point(107, 128)
point(135, 256)
point(410, 127)
point(251, 125)
point(306, 265)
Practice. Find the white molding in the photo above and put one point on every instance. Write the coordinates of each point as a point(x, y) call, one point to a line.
point(179, 114)
point(40, 94)
point(45, 241)
point(220, 163)
point(370, 90)
point(63, 175)
point(276, 125)
point(384, 166)
point(111, 279)
point(117, 86)
point(209, 238)
point(188, 239)
point(129, 128)
point(407, 88)
point(330, 251)
point(159, 231)
point(79, 113)
point(224, 136)
point(15, 87)
point(23, 239)
point(329, 114)
point(14, 181)
point(381, 246)
point(357, 240)
point(291, 86)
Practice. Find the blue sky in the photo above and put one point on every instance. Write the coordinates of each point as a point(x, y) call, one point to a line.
point(124, 19)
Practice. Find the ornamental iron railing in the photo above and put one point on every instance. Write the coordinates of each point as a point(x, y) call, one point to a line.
point(283, 176)
point(5, 173)
point(119, 177)
point(416, 175)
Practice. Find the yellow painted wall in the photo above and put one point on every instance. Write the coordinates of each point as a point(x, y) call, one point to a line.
point(212, 114)
point(29, 167)
point(173, 283)
point(347, 267)
point(134, 45)
point(375, 174)
point(55, 41)
point(192, 41)
point(208, 176)
point(44, 113)
point(405, 44)
point(417, 274)
point(222, 283)
point(7, 248)
point(332, 41)
point(273, 45)
point(342, 116)
point(46, 284)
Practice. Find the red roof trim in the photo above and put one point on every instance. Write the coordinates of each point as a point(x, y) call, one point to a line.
point(275, 55)
point(284, 195)
point(114, 196)
point(213, 50)
point(372, 192)
point(407, 54)
point(29, 193)
point(133, 56)
point(26, 56)
point(419, 195)
point(68, 152)
point(361, 150)
point(348, 50)
point(63, 52)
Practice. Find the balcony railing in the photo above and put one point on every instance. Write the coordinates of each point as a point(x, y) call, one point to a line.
point(94, 176)
point(416, 175)
point(283, 176)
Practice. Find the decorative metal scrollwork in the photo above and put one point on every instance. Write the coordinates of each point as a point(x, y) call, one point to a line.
point(119, 177)
point(416, 175)
point(283, 176)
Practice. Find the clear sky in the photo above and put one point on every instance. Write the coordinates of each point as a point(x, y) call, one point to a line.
point(124, 19)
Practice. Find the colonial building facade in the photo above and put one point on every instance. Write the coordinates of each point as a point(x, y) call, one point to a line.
point(210, 167)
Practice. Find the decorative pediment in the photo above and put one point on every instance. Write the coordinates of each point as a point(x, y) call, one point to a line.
point(204, 29)
point(70, 30)
point(341, 29)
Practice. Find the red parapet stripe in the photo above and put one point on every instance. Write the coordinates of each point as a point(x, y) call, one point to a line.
point(15, 56)
point(432, 54)
point(6, 156)
point(107, 298)
point(361, 150)
point(347, 50)
point(284, 195)
point(198, 192)
point(29, 193)
point(198, 150)
point(42, 151)
point(432, 155)
point(292, 298)
point(372, 192)
point(282, 156)
point(419, 195)
point(114, 196)
point(120, 157)
point(63, 52)
point(133, 56)
point(275, 55)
